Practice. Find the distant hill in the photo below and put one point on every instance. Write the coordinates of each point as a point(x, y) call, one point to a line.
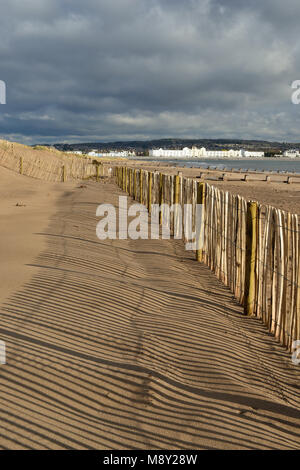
point(212, 144)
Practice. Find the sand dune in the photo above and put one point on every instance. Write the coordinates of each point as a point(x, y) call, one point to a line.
point(127, 344)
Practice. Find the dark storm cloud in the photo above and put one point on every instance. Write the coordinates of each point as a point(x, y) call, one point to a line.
point(100, 70)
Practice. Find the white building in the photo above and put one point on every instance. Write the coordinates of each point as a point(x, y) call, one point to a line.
point(123, 153)
point(203, 153)
point(291, 153)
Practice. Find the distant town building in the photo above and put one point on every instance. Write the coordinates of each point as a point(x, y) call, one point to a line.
point(123, 153)
point(292, 153)
point(203, 153)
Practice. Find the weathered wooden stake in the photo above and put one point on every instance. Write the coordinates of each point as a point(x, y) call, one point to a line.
point(97, 171)
point(134, 184)
point(200, 200)
point(21, 165)
point(176, 201)
point(161, 196)
point(251, 247)
point(141, 186)
point(176, 189)
point(63, 173)
point(149, 191)
point(123, 178)
point(129, 181)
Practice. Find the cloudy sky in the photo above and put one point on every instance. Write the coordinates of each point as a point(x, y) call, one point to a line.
point(100, 70)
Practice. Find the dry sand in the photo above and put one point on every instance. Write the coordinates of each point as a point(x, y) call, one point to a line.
point(25, 207)
point(126, 344)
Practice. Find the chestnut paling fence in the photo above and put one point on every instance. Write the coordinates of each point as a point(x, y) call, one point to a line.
point(55, 167)
point(252, 248)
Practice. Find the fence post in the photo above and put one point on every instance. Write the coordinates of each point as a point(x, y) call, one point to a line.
point(63, 168)
point(251, 247)
point(149, 191)
point(200, 200)
point(141, 186)
point(130, 181)
point(161, 196)
point(123, 178)
point(134, 184)
point(126, 179)
point(21, 165)
point(97, 171)
point(176, 202)
point(177, 188)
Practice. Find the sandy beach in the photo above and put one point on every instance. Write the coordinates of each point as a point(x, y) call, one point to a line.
point(150, 230)
point(124, 344)
point(25, 208)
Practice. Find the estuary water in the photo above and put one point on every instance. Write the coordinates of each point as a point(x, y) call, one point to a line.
point(266, 164)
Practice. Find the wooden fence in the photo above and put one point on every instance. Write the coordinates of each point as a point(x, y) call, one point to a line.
point(50, 166)
point(252, 248)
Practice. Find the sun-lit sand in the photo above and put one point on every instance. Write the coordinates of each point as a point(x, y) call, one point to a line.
point(26, 205)
point(124, 344)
